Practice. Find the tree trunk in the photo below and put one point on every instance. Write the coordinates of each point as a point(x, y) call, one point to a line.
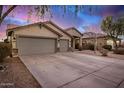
point(116, 45)
point(2, 16)
point(1, 9)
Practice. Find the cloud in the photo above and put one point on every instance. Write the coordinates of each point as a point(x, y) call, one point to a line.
point(13, 20)
point(84, 21)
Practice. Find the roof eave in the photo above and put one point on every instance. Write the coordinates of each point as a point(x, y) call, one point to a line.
point(57, 27)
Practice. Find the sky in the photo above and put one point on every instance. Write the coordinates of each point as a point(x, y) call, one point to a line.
point(88, 19)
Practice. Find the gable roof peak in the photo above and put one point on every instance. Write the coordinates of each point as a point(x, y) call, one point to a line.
point(58, 27)
point(74, 29)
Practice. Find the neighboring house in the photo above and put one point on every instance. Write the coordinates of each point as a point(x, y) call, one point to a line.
point(110, 42)
point(76, 41)
point(97, 39)
point(38, 38)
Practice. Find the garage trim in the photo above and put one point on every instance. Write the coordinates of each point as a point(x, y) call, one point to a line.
point(29, 36)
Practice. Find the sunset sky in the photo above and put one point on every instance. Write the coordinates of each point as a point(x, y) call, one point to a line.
point(85, 21)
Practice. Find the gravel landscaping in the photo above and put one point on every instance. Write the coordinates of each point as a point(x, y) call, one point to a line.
point(97, 53)
point(16, 75)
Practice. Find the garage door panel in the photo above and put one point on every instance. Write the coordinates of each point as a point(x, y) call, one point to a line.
point(64, 45)
point(29, 46)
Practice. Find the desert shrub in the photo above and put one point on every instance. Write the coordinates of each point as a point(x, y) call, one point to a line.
point(6, 41)
point(5, 50)
point(108, 47)
point(80, 48)
point(84, 46)
point(103, 51)
point(90, 46)
point(71, 49)
point(119, 51)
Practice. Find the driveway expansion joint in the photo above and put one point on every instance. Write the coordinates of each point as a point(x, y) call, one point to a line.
point(104, 78)
point(73, 71)
point(86, 75)
point(120, 84)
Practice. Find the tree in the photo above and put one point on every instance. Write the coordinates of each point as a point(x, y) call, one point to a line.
point(42, 9)
point(6, 40)
point(6, 13)
point(113, 28)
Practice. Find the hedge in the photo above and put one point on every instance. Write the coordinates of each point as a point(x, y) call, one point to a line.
point(119, 51)
point(5, 50)
point(108, 47)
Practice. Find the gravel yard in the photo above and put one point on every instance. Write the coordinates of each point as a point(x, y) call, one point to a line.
point(16, 75)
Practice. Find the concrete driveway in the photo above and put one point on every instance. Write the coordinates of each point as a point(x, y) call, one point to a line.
point(75, 70)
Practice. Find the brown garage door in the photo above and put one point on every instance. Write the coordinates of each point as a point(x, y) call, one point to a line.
point(64, 45)
point(29, 46)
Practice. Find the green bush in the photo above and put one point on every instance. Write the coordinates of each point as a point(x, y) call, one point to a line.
point(108, 47)
point(119, 51)
point(5, 50)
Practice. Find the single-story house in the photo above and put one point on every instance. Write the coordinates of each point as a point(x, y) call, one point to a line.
point(76, 41)
point(65, 40)
point(110, 42)
point(98, 39)
point(38, 38)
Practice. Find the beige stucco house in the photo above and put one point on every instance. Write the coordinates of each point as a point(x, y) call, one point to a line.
point(65, 40)
point(38, 38)
point(76, 40)
point(100, 41)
